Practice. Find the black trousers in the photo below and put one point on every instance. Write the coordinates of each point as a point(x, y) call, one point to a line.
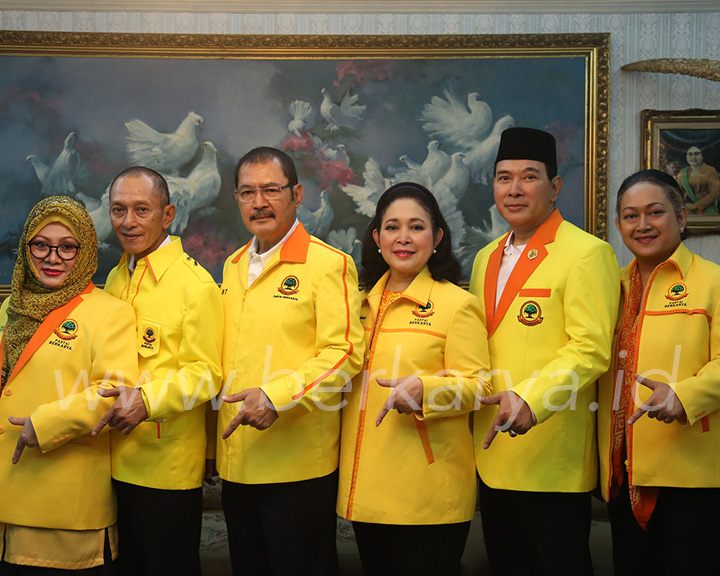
point(399, 550)
point(158, 530)
point(282, 529)
point(682, 536)
point(538, 533)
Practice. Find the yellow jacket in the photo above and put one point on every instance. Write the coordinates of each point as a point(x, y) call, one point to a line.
point(678, 343)
point(295, 333)
point(550, 339)
point(178, 342)
point(79, 347)
point(415, 469)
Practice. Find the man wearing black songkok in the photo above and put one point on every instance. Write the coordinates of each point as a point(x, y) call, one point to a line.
point(550, 293)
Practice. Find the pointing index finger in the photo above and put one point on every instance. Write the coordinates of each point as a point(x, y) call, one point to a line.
point(384, 411)
point(103, 422)
point(636, 416)
point(19, 447)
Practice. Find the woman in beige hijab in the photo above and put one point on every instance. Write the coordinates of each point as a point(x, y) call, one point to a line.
point(62, 339)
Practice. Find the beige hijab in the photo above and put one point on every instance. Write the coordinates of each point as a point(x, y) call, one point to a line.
point(30, 300)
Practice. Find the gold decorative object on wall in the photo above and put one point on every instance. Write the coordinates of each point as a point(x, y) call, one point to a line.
point(698, 67)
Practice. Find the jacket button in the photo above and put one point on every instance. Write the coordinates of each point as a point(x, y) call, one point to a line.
point(8, 392)
point(56, 442)
point(2, 430)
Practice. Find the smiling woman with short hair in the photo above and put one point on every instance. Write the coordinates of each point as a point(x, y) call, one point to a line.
point(658, 419)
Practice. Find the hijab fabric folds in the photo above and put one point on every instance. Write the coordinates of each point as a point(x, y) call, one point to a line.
point(30, 300)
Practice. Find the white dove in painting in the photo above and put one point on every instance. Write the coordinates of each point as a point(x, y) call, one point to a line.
point(166, 153)
point(347, 241)
point(452, 122)
point(480, 157)
point(338, 153)
point(317, 222)
point(366, 196)
point(456, 179)
point(477, 238)
point(435, 165)
point(409, 162)
point(196, 191)
point(99, 211)
point(58, 178)
point(348, 113)
point(303, 116)
point(41, 169)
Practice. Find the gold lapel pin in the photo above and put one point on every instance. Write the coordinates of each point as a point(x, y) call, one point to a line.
point(532, 254)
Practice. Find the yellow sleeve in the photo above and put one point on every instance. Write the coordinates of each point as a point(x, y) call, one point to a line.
point(467, 363)
point(700, 395)
point(113, 361)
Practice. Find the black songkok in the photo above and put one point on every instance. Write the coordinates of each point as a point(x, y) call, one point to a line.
point(527, 144)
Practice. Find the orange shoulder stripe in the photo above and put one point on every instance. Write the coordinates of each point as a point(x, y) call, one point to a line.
point(43, 332)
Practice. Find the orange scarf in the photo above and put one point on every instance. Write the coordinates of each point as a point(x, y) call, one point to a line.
point(642, 498)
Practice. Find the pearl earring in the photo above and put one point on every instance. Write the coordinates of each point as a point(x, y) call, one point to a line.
point(434, 251)
point(379, 251)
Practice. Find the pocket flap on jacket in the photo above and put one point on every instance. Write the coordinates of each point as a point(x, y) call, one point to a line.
point(149, 334)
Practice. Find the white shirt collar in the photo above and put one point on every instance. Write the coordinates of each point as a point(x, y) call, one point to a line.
point(257, 262)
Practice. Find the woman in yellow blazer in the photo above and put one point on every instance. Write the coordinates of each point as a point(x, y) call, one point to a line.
point(62, 339)
point(658, 419)
point(407, 473)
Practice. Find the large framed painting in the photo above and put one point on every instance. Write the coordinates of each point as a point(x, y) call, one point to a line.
point(356, 113)
point(686, 145)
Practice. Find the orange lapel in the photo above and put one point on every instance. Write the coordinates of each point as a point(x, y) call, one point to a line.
point(43, 332)
point(524, 267)
point(491, 277)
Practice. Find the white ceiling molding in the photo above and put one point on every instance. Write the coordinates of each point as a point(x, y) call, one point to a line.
point(369, 7)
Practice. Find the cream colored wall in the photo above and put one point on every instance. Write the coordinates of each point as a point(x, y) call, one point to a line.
point(633, 37)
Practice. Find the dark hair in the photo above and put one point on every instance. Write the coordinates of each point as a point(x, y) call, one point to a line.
point(442, 264)
point(264, 154)
point(662, 180)
point(160, 185)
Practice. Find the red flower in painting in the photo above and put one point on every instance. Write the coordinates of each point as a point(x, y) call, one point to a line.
point(335, 171)
point(206, 247)
point(364, 70)
point(302, 144)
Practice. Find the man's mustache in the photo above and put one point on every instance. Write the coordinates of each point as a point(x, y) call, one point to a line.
point(262, 214)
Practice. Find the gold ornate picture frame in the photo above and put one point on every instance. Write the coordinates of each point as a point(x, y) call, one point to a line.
point(401, 93)
point(671, 141)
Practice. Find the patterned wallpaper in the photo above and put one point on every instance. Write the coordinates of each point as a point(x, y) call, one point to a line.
point(633, 37)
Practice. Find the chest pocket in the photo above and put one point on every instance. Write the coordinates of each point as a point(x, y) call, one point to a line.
point(149, 335)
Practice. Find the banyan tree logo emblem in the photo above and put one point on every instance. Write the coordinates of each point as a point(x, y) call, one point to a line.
point(677, 291)
point(289, 286)
point(67, 330)
point(424, 311)
point(530, 313)
point(149, 335)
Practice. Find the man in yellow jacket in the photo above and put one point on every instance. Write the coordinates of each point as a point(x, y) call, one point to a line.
point(293, 339)
point(159, 459)
point(550, 294)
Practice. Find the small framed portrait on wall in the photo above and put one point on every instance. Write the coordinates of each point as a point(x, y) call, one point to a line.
point(686, 145)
